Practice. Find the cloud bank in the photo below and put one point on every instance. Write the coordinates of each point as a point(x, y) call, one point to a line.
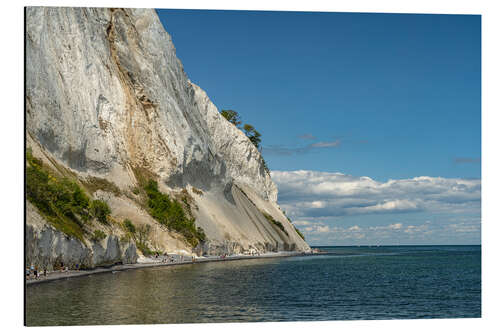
point(335, 208)
point(323, 194)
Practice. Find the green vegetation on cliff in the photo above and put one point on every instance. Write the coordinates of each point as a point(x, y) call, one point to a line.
point(98, 236)
point(100, 210)
point(274, 222)
point(299, 233)
point(95, 183)
point(232, 116)
point(62, 201)
point(141, 236)
point(170, 213)
point(252, 134)
point(129, 226)
point(297, 230)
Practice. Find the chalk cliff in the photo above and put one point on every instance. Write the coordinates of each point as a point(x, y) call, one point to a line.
point(107, 98)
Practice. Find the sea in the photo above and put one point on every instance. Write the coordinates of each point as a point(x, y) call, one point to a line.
point(344, 283)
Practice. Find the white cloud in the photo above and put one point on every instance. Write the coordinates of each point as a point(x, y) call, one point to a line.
point(334, 208)
point(316, 228)
point(322, 229)
point(464, 227)
point(326, 144)
point(301, 223)
point(385, 228)
point(321, 194)
point(411, 229)
point(386, 206)
point(317, 204)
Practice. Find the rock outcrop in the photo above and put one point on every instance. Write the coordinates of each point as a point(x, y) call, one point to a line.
point(107, 97)
point(47, 247)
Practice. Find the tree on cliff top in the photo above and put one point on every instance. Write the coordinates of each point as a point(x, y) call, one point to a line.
point(253, 135)
point(232, 116)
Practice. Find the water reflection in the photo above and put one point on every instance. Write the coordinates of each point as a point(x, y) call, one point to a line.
point(410, 284)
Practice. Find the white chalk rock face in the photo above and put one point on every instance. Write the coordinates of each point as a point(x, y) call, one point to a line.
point(243, 161)
point(47, 247)
point(106, 95)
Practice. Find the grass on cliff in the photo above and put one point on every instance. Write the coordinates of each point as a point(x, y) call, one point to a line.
point(274, 222)
point(129, 226)
point(62, 202)
point(140, 235)
point(266, 215)
point(296, 230)
point(170, 213)
point(98, 236)
point(299, 233)
point(100, 210)
point(95, 183)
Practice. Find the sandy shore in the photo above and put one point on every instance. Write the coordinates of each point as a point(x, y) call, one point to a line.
point(181, 260)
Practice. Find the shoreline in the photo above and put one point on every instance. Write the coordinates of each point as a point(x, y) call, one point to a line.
point(57, 275)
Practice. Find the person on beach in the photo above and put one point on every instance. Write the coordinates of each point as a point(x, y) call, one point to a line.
point(36, 272)
point(62, 266)
point(28, 273)
point(45, 272)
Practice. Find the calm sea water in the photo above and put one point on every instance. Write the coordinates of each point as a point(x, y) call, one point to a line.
point(350, 283)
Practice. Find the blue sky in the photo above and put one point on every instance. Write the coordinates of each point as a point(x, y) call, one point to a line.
point(385, 96)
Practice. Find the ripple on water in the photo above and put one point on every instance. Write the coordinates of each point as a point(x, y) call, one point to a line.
point(349, 283)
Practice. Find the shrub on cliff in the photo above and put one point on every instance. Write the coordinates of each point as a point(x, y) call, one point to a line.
point(274, 222)
point(232, 116)
point(170, 213)
point(253, 135)
point(129, 226)
point(98, 236)
point(60, 200)
point(299, 233)
point(142, 237)
point(297, 230)
point(100, 210)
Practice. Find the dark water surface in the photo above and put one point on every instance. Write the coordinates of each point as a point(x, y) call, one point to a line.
point(386, 282)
